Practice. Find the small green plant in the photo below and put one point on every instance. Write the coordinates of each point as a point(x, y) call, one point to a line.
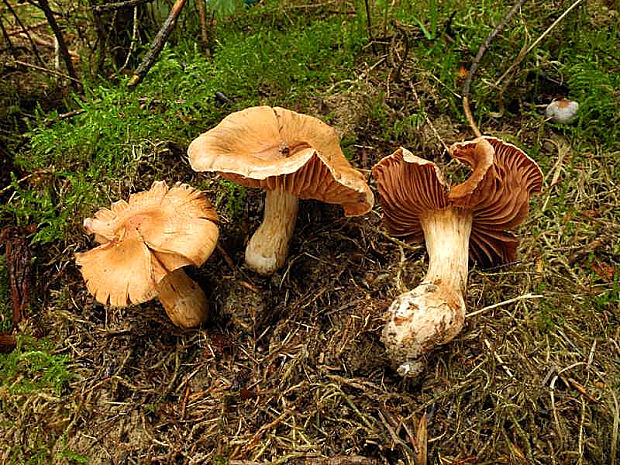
point(430, 33)
point(32, 367)
point(405, 128)
point(235, 197)
point(69, 455)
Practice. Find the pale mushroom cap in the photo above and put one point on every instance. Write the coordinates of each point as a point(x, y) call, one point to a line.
point(562, 111)
point(497, 193)
point(154, 233)
point(273, 147)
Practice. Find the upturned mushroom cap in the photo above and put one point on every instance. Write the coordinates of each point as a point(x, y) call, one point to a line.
point(409, 186)
point(503, 200)
point(497, 193)
point(145, 239)
point(277, 148)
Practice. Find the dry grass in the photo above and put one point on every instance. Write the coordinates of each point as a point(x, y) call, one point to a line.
point(291, 367)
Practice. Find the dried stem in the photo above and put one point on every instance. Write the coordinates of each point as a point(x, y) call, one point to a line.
point(8, 40)
point(62, 45)
point(369, 25)
point(158, 43)
point(118, 5)
point(134, 37)
point(474, 66)
point(46, 70)
point(536, 42)
point(34, 47)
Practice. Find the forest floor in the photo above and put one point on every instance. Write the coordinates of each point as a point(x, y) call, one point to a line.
point(290, 368)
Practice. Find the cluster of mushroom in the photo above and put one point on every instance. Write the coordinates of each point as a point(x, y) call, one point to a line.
point(146, 241)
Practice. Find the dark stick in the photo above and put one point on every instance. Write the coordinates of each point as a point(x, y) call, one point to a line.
point(19, 21)
point(369, 25)
point(118, 6)
point(46, 70)
point(62, 46)
point(158, 43)
point(8, 40)
point(476, 63)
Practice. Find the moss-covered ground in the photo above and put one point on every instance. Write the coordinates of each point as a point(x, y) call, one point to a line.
point(291, 367)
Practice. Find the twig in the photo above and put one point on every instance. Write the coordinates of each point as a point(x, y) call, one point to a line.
point(30, 27)
point(614, 436)
point(499, 359)
point(41, 41)
point(64, 51)
point(428, 121)
point(394, 436)
point(422, 436)
point(369, 25)
point(46, 70)
point(118, 5)
point(8, 40)
point(336, 460)
point(536, 42)
point(476, 63)
point(34, 47)
point(505, 302)
point(25, 178)
point(255, 438)
point(405, 54)
point(158, 43)
point(134, 36)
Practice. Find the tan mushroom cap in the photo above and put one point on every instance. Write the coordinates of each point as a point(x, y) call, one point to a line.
point(144, 239)
point(497, 193)
point(277, 148)
point(408, 186)
point(505, 205)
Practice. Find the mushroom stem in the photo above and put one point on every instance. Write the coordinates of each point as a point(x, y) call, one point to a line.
point(433, 313)
point(268, 247)
point(182, 298)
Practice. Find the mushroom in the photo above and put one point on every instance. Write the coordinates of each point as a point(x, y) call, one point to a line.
point(562, 111)
point(469, 219)
point(145, 242)
point(290, 155)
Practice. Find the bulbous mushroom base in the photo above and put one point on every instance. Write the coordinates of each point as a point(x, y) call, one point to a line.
point(183, 299)
point(420, 320)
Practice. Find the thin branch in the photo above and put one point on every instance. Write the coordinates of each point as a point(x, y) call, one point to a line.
point(62, 45)
point(30, 27)
point(34, 47)
point(41, 41)
point(474, 66)
point(46, 70)
point(536, 42)
point(8, 40)
point(157, 45)
point(118, 5)
point(134, 37)
point(505, 302)
point(428, 121)
point(369, 25)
